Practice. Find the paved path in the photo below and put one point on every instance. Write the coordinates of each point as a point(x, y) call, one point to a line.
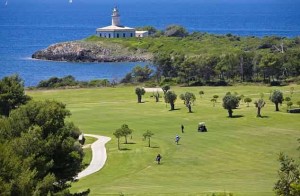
point(99, 155)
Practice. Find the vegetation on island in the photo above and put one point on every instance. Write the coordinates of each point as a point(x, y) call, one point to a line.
point(208, 59)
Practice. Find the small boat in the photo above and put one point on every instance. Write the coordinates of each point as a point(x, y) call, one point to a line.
point(70, 1)
point(6, 3)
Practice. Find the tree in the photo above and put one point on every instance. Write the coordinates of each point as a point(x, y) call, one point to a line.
point(213, 100)
point(44, 148)
point(230, 102)
point(12, 94)
point(276, 97)
point(292, 91)
point(176, 31)
point(188, 98)
point(201, 93)
point(247, 100)
point(289, 177)
point(289, 104)
point(118, 134)
point(141, 74)
point(125, 131)
point(139, 92)
point(298, 103)
point(287, 99)
point(151, 30)
point(165, 88)
point(170, 97)
point(156, 95)
point(259, 104)
point(216, 97)
point(148, 135)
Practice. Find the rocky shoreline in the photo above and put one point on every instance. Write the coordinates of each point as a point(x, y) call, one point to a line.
point(82, 51)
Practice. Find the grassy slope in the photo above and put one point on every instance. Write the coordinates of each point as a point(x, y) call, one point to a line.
point(204, 44)
point(236, 155)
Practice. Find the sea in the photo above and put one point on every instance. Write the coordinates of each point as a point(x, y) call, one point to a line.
point(30, 25)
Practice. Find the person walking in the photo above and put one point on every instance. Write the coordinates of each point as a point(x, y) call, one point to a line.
point(177, 138)
point(158, 158)
point(182, 129)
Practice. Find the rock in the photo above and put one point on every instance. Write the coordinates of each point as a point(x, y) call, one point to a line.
point(81, 51)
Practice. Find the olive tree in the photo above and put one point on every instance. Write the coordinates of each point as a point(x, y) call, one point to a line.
point(148, 135)
point(216, 97)
point(247, 100)
point(259, 104)
point(213, 100)
point(139, 92)
point(170, 97)
point(188, 98)
point(201, 93)
point(118, 134)
point(165, 88)
point(230, 102)
point(277, 98)
point(125, 131)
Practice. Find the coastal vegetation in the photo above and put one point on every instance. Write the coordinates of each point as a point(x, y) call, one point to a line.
point(207, 59)
point(193, 59)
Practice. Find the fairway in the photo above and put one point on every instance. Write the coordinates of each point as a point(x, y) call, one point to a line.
point(236, 155)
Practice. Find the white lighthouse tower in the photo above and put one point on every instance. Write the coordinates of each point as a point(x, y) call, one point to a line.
point(115, 17)
point(116, 30)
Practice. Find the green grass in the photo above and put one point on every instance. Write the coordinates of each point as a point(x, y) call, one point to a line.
point(88, 151)
point(237, 155)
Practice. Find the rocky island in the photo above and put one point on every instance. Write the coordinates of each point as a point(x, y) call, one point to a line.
point(85, 51)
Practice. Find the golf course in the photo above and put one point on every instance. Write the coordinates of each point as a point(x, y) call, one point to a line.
point(237, 156)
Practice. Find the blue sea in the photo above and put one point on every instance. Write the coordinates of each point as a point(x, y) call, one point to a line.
point(30, 25)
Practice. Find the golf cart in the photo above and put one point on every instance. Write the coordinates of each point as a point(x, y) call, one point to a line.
point(202, 127)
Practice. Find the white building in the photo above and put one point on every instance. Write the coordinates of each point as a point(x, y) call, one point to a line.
point(141, 33)
point(116, 30)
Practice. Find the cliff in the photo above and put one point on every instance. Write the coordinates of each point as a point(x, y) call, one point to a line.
point(83, 51)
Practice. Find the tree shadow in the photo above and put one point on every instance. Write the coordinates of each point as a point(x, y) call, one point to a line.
point(130, 143)
point(124, 149)
point(264, 117)
point(154, 147)
point(237, 116)
point(175, 109)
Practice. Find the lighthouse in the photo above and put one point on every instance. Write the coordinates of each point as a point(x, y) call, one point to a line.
point(115, 17)
point(116, 30)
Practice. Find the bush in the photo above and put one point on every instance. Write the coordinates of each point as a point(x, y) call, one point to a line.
point(275, 83)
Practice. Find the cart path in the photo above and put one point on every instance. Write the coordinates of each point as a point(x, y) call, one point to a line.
point(99, 155)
